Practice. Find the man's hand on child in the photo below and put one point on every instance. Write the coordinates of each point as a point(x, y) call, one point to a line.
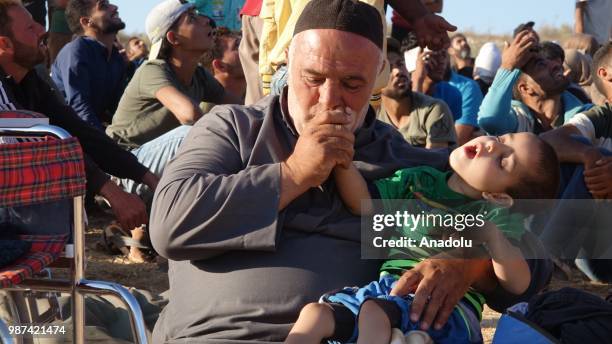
point(438, 285)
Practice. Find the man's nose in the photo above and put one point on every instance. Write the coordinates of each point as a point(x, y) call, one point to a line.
point(329, 95)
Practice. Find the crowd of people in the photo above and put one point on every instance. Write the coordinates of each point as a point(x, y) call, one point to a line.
point(248, 151)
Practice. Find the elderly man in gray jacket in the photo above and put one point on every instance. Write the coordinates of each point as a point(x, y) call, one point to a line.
point(247, 212)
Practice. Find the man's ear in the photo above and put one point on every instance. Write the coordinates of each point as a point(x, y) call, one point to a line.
point(524, 88)
point(84, 21)
point(604, 74)
point(501, 199)
point(6, 46)
point(171, 37)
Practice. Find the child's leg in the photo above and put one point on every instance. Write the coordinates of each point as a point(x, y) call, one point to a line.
point(376, 317)
point(316, 322)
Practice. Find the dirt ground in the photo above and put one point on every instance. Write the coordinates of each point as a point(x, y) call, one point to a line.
point(149, 276)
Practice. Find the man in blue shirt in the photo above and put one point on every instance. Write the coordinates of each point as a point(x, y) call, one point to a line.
point(89, 71)
point(538, 87)
point(471, 98)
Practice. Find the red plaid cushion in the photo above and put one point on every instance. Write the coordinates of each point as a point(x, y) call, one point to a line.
point(38, 172)
point(44, 250)
point(21, 114)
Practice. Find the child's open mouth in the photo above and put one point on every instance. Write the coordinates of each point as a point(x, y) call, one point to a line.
point(471, 151)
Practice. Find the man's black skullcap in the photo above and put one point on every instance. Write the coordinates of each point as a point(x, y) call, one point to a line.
point(525, 26)
point(344, 15)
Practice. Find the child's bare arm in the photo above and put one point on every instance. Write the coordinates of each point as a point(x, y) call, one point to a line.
point(508, 262)
point(353, 189)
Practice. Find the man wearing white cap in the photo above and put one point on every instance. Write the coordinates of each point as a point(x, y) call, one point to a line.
point(486, 65)
point(166, 91)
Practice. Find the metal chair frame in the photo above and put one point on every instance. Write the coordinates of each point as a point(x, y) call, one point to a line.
point(77, 285)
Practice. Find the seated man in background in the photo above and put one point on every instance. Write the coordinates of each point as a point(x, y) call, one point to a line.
point(20, 50)
point(137, 53)
point(89, 71)
point(555, 54)
point(166, 91)
point(224, 62)
point(460, 52)
point(528, 92)
point(471, 98)
point(422, 120)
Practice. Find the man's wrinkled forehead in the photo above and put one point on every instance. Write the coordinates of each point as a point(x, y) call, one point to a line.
point(333, 52)
point(333, 41)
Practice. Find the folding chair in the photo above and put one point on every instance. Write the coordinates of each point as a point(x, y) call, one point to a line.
point(50, 168)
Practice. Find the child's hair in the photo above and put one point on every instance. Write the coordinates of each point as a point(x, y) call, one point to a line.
point(542, 180)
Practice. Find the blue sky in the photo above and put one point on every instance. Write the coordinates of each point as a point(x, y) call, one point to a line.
point(485, 16)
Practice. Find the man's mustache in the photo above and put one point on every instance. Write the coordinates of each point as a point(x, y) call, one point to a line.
point(347, 111)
